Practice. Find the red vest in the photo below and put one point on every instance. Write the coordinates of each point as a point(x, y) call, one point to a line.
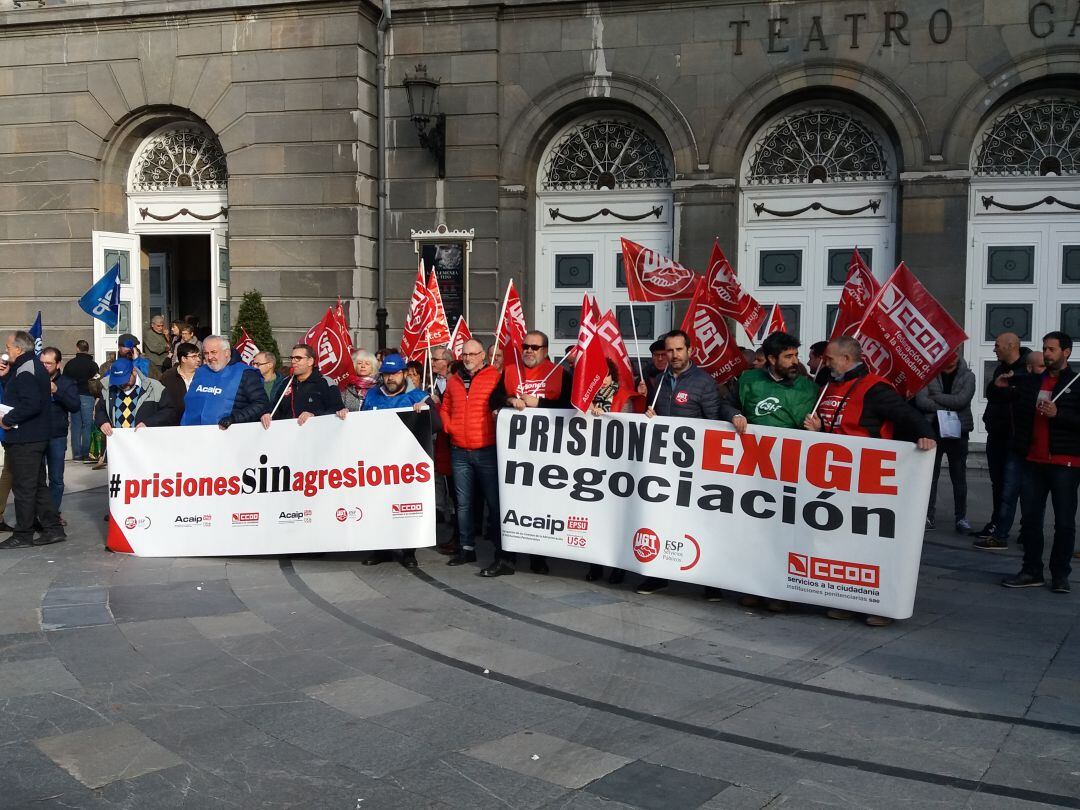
point(841, 409)
point(531, 382)
point(466, 415)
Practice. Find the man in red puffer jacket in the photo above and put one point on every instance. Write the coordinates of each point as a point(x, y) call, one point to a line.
point(473, 396)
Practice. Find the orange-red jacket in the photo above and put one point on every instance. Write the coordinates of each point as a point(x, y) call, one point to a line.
point(467, 413)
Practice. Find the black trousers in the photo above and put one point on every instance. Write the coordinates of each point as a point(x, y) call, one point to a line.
point(33, 503)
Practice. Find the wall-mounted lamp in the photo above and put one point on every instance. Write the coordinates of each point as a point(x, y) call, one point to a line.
point(423, 92)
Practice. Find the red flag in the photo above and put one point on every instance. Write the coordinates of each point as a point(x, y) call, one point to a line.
point(458, 338)
point(416, 321)
point(590, 367)
point(859, 290)
point(245, 348)
point(906, 335)
point(339, 313)
point(775, 323)
point(652, 277)
point(729, 296)
point(510, 333)
point(615, 348)
point(333, 348)
point(711, 345)
point(437, 332)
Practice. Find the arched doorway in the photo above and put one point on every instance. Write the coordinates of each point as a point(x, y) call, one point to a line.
point(601, 178)
point(1023, 269)
point(817, 181)
point(174, 258)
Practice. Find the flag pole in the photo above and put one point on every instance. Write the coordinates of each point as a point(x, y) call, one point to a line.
point(288, 385)
point(1067, 387)
point(659, 382)
point(562, 360)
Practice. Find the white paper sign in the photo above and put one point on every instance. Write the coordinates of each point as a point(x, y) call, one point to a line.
point(948, 424)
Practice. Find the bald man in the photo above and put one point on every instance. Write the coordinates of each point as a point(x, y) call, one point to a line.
point(1004, 465)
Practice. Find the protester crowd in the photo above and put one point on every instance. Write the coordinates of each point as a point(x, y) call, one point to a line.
point(174, 376)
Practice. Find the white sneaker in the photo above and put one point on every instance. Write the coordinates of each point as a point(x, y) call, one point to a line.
point(962, 526)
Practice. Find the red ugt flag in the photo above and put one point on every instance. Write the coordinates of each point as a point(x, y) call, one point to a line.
point(728, 294)
point(906, 335)
point(590, 367)
point(438, 330)
point(775, 323)
point(615, 349)
point(653, 277)
point(245, 347)
point(333, 347)
point(859, 290)
point(458, 338)
point(421, 311)
point(711, 345)
point(510, 333)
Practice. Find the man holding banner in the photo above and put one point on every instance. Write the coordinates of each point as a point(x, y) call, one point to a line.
point(308, 393)
point(223, 392)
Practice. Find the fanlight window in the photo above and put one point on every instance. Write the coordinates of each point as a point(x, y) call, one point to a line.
point(185, 158)
point(606, 155)
point(1037, 138)
point(818, 146)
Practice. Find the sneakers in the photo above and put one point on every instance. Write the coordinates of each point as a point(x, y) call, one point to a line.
point(1023, 580)
point(963, 526)
point(48, 538)
point(986, 532)
point(990, 544)
point(15, 542)
point(929, 524)
point(4, 527)
point(1060, 586)
point(651, 585)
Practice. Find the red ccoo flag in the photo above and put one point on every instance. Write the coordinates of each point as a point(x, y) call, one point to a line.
point(333, 348)
point(859, 290)
point(458, 337)
point(906, 335)
point(421, 311)
point(245, 348)
point(615, 349)
point(510, 333)
point(711, 345)
point(590, 367)
point(729, 296)
point(653, 277)
point(438, 330)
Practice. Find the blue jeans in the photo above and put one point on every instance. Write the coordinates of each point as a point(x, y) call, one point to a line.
point(1012, 478)
point(1060, 483)
point(81, 422)
point(54, 463)
point(476, 470)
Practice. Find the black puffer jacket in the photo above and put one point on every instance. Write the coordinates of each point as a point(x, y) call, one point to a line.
point(692, 395)
point(1064, 428)
point(315, 395)
point(26, 392)
point(998, 416)
point(63, 402)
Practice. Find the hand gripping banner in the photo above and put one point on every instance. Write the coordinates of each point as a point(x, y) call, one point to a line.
point(365, 482)
point(828, 520)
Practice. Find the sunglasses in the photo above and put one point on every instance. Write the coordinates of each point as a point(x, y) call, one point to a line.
point(295, 357)
point(533, 347)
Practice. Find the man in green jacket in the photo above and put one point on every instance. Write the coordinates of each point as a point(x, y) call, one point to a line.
point(778, 394)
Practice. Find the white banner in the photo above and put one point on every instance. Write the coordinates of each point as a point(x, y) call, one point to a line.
point(365, 482)
point(806, 517)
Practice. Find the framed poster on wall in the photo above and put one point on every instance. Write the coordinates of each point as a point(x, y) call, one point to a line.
point(447, 253)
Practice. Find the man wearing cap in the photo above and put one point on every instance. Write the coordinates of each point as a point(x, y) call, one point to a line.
point(394, 393)
point(308, 393)
point(133, 400)
point(27, 428)
point(224, 391)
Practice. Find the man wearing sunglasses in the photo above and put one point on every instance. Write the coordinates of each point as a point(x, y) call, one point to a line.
point(309, 393)
point(224, 390)
point(537, 384)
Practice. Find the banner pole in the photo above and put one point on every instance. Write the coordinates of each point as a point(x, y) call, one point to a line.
point(637, 348)
point(659, 382)
point(821, 396)
point(561, 360)
point(288, 385)
point(1067, 387)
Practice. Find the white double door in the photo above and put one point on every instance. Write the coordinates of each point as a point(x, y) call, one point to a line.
point(123, 250)
point(1023, 277)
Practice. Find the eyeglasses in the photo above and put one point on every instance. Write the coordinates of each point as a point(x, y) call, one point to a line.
point(532, 347)
point(472, 354)
point(295, 357)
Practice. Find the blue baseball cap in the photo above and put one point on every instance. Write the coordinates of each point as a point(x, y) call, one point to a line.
point(392, 363)
point(120, 372)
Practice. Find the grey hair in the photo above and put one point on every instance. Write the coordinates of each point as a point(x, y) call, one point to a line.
point(158, 318)
point(22, 341)
point(362, 354)
point(223, 341)
point(849, 346)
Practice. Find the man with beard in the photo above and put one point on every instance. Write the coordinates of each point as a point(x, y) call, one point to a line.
point(778, 394)
point(223, 390)
point(390, 394)
point(474, 394)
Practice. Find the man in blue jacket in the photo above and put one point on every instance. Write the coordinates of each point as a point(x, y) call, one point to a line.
point(224, 392)
point(28, 427)
point(64, 400)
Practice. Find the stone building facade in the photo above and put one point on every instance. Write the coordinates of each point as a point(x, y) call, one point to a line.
point(940, 132)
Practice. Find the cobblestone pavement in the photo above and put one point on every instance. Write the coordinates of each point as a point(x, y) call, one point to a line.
point(316, 682)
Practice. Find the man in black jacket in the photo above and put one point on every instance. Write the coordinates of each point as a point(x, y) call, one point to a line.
point(1002, 463)
point(64, 399)
point(81, 368)
point(28, 429)
point(1046, 418)
point(308, 393)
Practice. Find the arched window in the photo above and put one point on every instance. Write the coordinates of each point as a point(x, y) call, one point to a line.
point(1037, 138)
point(181, 158)
point(605, 154)
point(818, 146)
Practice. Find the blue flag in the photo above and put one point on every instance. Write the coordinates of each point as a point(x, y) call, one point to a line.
point(35, 333)
point(102, 301)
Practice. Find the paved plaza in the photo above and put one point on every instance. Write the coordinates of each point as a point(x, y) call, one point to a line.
point(315, 682)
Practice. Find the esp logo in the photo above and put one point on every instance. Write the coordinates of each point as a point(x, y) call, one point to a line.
point(646, 545)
